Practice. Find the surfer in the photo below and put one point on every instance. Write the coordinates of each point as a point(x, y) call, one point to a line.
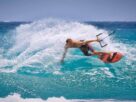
point(85, 47)
point(81, 44)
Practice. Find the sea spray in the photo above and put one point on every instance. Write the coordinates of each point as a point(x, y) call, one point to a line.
point(30, 64)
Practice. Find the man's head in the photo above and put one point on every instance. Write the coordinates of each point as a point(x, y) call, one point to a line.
point(69, 42)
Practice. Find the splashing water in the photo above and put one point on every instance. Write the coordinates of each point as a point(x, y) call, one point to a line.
point(36, 49)
point(40, 44)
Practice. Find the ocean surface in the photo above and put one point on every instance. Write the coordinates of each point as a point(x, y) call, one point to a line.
point(30, 68)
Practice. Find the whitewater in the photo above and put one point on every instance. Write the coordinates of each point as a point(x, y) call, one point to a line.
point(30, 67)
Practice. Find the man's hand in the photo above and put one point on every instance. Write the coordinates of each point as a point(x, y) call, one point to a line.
point(64, 54)
point(98, 40)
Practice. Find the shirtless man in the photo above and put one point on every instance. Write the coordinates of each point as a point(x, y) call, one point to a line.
point(83, 45)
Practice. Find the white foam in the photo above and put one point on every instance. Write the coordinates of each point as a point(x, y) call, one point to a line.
point(42, 42)
point(107, 72)
point(17, 98)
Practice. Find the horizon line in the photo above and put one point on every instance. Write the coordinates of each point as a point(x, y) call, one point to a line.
point(69, 20)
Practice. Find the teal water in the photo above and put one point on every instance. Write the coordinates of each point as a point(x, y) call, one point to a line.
point(30, 54)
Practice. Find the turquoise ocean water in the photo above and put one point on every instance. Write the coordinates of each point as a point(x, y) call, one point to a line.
point(30, 68)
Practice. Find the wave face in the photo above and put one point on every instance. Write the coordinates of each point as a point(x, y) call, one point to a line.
point(30, 56)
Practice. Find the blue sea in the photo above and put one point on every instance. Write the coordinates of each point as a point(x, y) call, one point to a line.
point(30, 68)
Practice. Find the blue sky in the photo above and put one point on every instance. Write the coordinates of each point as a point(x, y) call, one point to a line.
point(80, 10)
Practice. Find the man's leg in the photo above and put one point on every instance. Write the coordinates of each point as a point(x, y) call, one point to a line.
point(94, 51)
point(91, 48)
point(84, 49)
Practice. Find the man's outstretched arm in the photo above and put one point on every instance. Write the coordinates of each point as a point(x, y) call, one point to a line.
point(64, 54)
point(89, 41)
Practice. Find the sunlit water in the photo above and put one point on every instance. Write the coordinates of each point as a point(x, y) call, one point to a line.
point(30, 55)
